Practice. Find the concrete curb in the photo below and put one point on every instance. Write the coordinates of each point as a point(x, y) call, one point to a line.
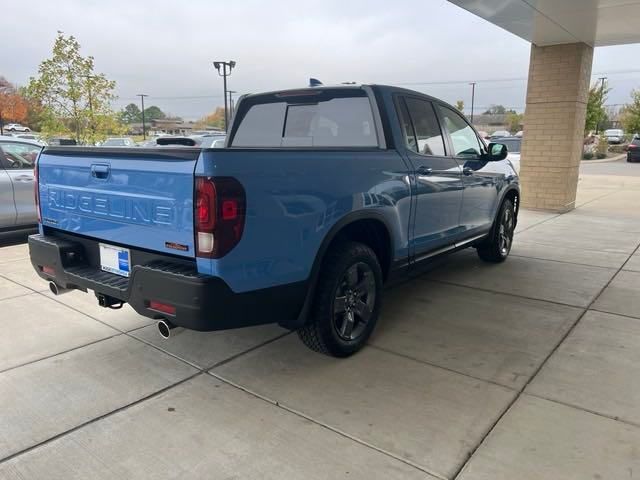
point(606, 160)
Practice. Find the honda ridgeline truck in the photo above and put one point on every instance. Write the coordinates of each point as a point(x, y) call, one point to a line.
point(320, 196)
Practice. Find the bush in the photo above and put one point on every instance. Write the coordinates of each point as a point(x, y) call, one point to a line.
point(617, 148)
point(601, 155)
point(587, 156)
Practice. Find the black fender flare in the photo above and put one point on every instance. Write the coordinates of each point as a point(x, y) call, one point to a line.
point(331, 235)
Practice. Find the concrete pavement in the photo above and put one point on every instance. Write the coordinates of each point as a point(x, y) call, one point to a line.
point(523, 370)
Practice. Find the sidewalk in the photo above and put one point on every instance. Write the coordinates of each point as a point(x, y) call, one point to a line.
point(524, 370)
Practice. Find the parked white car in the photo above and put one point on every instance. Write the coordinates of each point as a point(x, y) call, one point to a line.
point(16, 127)
point(513, 148)
point(614, 135)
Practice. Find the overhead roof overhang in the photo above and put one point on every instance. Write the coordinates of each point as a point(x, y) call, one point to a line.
point(551, 22)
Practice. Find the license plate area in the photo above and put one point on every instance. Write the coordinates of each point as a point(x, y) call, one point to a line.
point(115, 259)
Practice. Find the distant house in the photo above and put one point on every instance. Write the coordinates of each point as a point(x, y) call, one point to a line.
point(163, 126)
point(490, 123)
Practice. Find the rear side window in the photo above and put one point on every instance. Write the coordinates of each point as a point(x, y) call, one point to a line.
point(314, 120)
point(428, 137)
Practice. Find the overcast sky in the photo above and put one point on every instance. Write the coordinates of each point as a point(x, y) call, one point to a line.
point(165, 48)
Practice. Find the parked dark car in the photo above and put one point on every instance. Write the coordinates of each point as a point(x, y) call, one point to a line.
point(633, 150)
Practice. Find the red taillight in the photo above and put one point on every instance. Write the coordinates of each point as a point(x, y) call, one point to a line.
point(229, 209)
point(631, 146)
point(36, 190)
point(162, 307)
point(219, 215)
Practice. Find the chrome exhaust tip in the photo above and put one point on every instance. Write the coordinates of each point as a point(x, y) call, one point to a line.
point(167, 329)
point(57, 290)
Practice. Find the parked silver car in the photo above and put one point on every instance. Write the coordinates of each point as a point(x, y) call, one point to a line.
point(17, 202)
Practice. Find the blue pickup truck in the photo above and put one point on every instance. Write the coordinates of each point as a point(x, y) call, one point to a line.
point(319, 198)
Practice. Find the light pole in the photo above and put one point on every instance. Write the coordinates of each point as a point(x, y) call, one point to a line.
point(473, 98)
point(231, 64)
point(231, 106)
point(602, 80)
point(144, 130)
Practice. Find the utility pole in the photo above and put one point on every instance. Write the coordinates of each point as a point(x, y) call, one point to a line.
point(602, 80)
point(144, 129)
point(231, 64)
point(231, 105)
point(473, 98)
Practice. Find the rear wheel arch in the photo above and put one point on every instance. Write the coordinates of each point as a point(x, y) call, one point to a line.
point(369, 228)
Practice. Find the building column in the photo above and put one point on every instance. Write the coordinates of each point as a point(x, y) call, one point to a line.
point(557, 93)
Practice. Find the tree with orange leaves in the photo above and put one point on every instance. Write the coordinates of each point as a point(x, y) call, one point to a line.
point(13, 108)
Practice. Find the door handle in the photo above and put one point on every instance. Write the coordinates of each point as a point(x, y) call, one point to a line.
point(100, 170)
point(467, 171)
point(422, 170)
point(24, 178)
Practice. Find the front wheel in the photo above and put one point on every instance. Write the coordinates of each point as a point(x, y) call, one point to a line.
point(497, 246)
point(346, 302)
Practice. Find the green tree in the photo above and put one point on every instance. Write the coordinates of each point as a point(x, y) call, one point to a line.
point(514, 121)
point(460, 105)
point(153, 113)
point(596, 113)
point(75, 99)
point(131, 114)
point(630, 114)
point(496, 110)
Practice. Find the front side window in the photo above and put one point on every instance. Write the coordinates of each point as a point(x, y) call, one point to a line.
point(19, 155)
point(429, 139)
point(314, 120)
point(464, 138)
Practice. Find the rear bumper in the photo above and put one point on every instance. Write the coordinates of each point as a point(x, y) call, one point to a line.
point(201, 302)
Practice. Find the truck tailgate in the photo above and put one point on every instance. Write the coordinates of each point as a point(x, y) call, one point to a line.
point(131, 197)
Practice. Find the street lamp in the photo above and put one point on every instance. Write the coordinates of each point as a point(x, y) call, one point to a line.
point(144, 132)
point(225, 73)
point(473, 98)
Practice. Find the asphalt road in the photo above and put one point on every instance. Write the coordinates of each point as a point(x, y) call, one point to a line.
point(621, 167)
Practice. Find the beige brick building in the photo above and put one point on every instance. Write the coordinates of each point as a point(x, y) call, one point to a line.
point(563, 34)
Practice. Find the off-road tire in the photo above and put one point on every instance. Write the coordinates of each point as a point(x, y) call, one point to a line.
point(322, 332)
point(496, 247)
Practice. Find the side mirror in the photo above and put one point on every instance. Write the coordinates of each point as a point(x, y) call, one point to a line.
point(497, 152)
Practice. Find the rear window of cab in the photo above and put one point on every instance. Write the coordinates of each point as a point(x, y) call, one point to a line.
point(306, 118)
